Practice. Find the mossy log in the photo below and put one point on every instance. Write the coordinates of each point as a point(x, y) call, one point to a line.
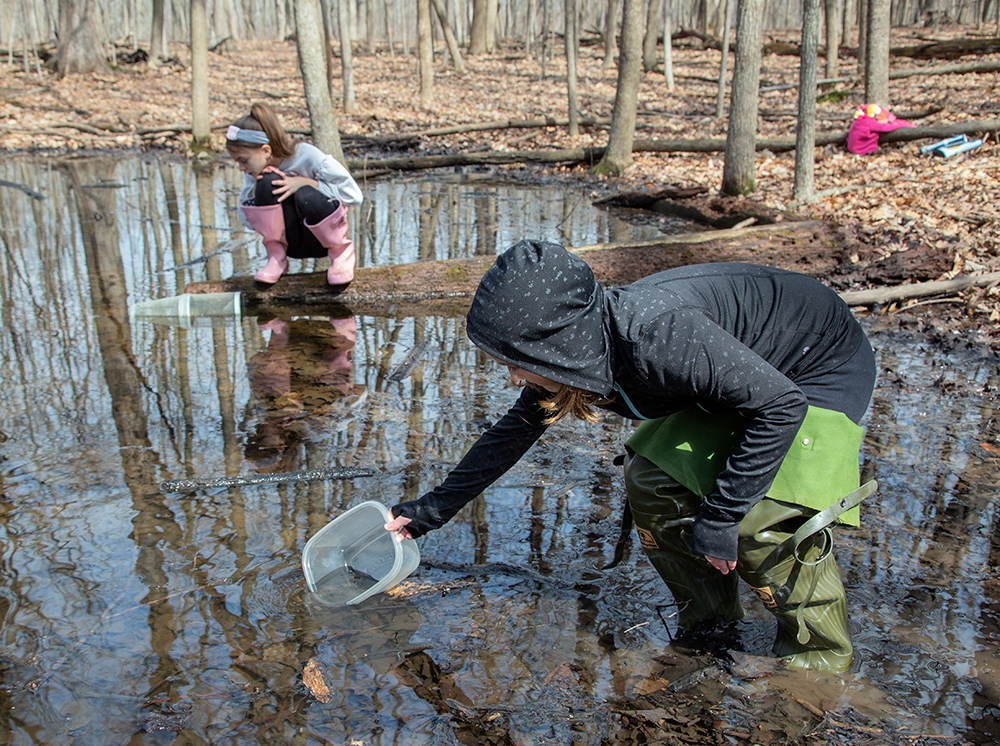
point(445, 287)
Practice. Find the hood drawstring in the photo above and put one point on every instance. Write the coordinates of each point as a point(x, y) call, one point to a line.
point(628, 402)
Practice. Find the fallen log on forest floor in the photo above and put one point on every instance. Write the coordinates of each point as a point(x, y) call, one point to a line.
point(457, 129)
point(987, 66)
point(592, 155)
point(942, 49)
point(947, 49)
point(445, 287)
point(881, 296)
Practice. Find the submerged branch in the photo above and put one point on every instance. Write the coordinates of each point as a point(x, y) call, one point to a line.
point(311, 475)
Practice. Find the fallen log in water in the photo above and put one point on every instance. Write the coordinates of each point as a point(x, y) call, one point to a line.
point(445, 287)
point(246, 480)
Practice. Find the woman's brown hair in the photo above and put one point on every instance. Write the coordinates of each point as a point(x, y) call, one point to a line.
point(569, 401)
point(263, 119)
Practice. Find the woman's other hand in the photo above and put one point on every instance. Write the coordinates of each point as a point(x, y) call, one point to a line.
point(399, 526)
point(723, 566)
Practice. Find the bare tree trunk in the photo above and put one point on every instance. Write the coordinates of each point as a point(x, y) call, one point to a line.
point(425, 48)
point(369, 27)
point(82, 40)
point(611, 35)
point(738, 168)
point(570, 39)
point(530, 28)
point(449, 38)
point(325, 134)
point(668, 45)
point(346, 54)
point(653, 11)
point(545, 38)
point(480, 22)
point(721, 95)
point(492, 24)
point(201, 128)
point(848, 16)
point(399, 24)
point(805, 136)
point(618, 156)
point(223, 19)
point(157, 35)
point(832, 37)
point(327, 12)
point(877, 72)
point(862, 39)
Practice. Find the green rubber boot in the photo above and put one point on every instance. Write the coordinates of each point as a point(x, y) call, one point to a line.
point(664, 512)
point(800, 587)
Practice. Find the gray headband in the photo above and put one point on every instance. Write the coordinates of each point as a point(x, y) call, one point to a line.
point(252, 137)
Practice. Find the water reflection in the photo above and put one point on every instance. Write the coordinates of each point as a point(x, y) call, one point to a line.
point(177, 223)
point(303, 380)
point(127, 615)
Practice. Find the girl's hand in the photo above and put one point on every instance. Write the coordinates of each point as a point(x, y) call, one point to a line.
point(723, 566)
point(398, 525)
point(272, 170)
point(286, 186)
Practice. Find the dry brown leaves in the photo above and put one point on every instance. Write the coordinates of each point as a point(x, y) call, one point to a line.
point(896, 200)
point(312, 677)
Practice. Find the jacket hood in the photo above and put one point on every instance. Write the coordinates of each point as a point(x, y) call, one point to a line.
point(540, 308)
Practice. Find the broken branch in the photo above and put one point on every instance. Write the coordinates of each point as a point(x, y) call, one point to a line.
point(881, 296)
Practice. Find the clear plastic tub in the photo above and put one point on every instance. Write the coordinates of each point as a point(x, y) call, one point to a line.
point(184, 309)
point(353, 557)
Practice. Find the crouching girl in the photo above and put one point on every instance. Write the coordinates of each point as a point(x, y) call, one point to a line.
point(295, 196)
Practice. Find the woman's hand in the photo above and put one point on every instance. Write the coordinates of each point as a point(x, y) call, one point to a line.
point(723, 566)
point(398, 525)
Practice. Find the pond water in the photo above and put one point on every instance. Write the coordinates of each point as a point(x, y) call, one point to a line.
point(130, 614)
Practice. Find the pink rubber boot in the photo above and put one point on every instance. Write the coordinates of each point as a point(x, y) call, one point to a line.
point(331, 232)
point(346, 327)
point(269, 222)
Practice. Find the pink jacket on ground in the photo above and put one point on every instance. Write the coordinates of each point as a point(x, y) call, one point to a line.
point(869, 120)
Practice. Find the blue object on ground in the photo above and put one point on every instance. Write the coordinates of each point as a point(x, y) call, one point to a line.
point(946, 143)
point(948, 152)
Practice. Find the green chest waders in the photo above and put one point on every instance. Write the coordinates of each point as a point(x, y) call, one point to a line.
point(664, 511)
point(785, 545)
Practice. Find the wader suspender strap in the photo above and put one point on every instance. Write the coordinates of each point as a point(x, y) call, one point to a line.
point(819, 522)
point(825, 517)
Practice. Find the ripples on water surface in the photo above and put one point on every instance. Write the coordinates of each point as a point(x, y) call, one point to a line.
point(133, 616)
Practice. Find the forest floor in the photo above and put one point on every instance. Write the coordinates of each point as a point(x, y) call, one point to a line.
point(899, 216)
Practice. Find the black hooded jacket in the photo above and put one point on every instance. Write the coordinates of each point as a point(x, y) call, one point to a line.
point(723, 336)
